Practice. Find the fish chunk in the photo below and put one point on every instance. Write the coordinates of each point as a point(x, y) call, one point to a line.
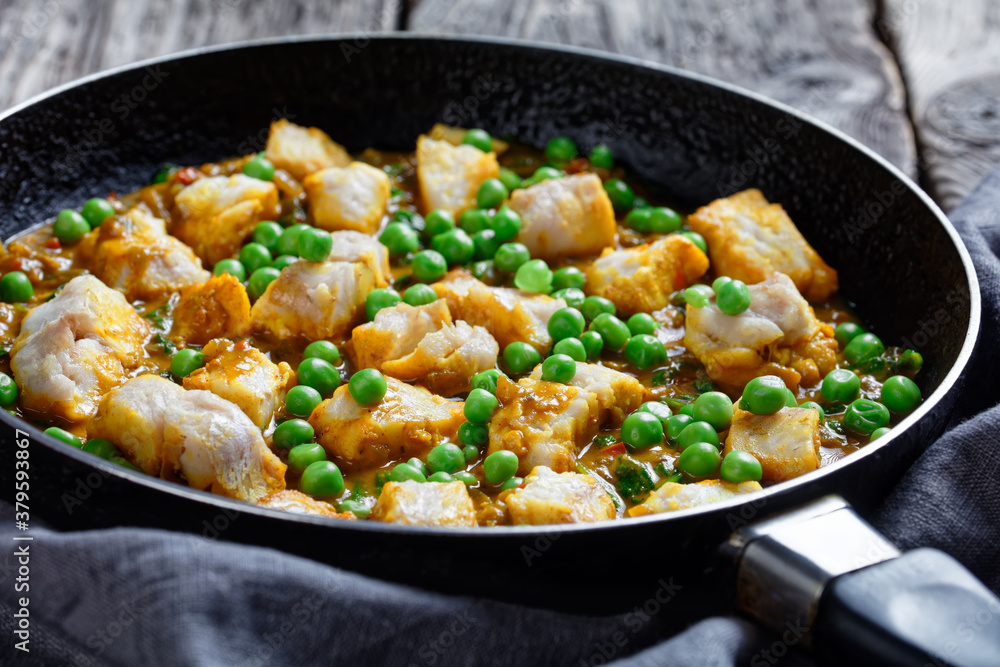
point(618, 394)
point(74, 348)
point(422, 344)
point(750, 239)
point(296, 502)
point(450, 176)
point(551, 497)
point(673, 496)
point(778, 335)
point(352, 197)
point(219, 308)
point(507, 314)
point(196, 436)
point(544, 423)
point(134, 255)
point(425, 504)
point(786, 443)
point(215, 214)
point(303, 150)
point(243, 375)
point(350, 246)
point(641, 279)
point(565, 217)
point(317, 300)
point(409, 421)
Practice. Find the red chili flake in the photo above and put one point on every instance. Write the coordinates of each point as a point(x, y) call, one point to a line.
point(680, 280)
point(616, 449)
point(576, 165)
point(187, 175)
point(112, 196)
point(53, 243)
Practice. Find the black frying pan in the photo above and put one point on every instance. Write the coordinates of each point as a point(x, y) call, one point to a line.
point(691, 138)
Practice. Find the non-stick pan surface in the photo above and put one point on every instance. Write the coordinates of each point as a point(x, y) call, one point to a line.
point(689, 138)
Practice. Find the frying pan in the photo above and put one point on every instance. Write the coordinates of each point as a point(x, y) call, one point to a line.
point(688, 138)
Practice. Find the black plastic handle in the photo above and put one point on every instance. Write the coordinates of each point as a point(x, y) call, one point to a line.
point(922, 608)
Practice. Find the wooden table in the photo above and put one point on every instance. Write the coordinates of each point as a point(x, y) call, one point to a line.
point(917, 80)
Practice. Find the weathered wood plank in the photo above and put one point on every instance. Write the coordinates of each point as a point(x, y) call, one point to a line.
point(950, 55)
point(46, 42)
point(822, 57)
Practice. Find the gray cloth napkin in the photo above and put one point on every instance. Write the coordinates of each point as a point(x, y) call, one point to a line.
point(131, 596)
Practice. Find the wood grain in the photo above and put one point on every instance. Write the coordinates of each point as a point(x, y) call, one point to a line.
point(46, 42)
point(822, 57)
point(950, 54)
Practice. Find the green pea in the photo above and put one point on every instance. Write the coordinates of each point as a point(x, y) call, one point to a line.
point(485, 243)
point(639, 219)
point(8, 391)
point(471, 452)
point(70, 226)
point(429, 265)
point(315, 245)
point(102, 448)
point(474, 220)
point(566, 323)
point(841, 386)
point(438, 221)
point(288, 242)
point(186, 361)
point(121, 461)
point(695, 432)
point(659, 410)
point(572, 348)
point(65, 436)
point(475, 435)
point(15, 287)
point(511, 256)
point(403, 472)
point(740, 466)
point(367, 386)
point(162, 173)
point(302, 400)
point(377, 299)
point(293, 432)
point(512, 483)
point(642, 323)
point(355, 507)
point(481, 139)
point(620, 194)
point(572, 296)
point(846, 332)
point(900, 394)
point(790, 400)
point(687, 410)
point(321, 479)
point(267, 234)
point(304, 455)
point(441, 477)
point(259, 167)
point(534, 276)
point(455, 246)
point(910, 360)
point(259, 281)
point(594, 306)
point(521, 357)
point(96, 211)
point(506, 224)
point(466, 478)
point(560, 149)
point(733, 297)
point(400, 238)
point(699, 460)
point(487, 379)
point(500, 466)
point(510, 179)
point(559, 368)
point(879, 432)
point(764, 395)
point(319, 374)
point(698, 296)
point(483, 269)
point(254, 256)
point(543, 173)
point(479, 406)
point(593, 342)
point(600, 156)
point(231, 266)
point(697, 239)
point(419, 465)
point(641, 430)
point(715, 408)
point(419, 295)
point(645, 351)
point(663, 220)
point(865, 416)
point(613, 331)
point(719, 282)
point(446, 457)
point(568, 277)
point(676, 424)
point(863, 347)
point(813, 405)
point(322, 349)
point(491, 193)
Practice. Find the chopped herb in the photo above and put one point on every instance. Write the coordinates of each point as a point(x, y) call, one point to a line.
point(660, 378)
point(168, 346)
point(55, 291)
point(703, 384)
point(677, 402)
point(835, 425)
point(380, 479)
point(394, 169)
point(635, 478)
point(605, 440)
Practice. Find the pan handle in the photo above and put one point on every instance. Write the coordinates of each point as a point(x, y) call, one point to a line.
point(823, 578)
